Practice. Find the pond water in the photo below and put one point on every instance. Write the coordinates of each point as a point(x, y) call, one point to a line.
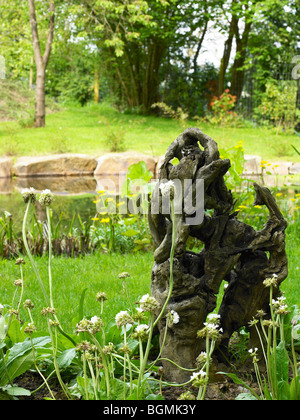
point(77, 195)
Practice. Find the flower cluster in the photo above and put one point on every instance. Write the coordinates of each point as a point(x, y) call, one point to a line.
point(123, 275)
point(30, 329)
point(148, 303)
point(101, 296)
point(211, 328)
point(279, 306)
point(28, 304)
point(123, 318)
point(141, 331)
point(18, 283)
point(172, 318)
point(271, 281)
point(29, 194)
point(46, 198)
point(168, 190)
point(199, 378)
point(253, 354)
point(91, 326)
point(48, 311)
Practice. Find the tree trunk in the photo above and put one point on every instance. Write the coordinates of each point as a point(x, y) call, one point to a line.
point(40, 106)
point(156, 51)
point(238, 71)
point(96, 86)
point(41, 61)
point(226, 55)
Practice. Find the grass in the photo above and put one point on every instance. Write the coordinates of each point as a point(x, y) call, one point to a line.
point(86, 130)
point(98, 273)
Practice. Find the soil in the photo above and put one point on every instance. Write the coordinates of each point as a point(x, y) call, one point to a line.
point(221, 388)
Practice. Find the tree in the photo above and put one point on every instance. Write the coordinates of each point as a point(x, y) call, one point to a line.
point(41, 61)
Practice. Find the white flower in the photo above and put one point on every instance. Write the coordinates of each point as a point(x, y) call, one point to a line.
point(172, 318)
point(148, 303)
point(1, 309)
point(199, 378)
point(271, 281)
point(141, 331)
point(46, 198)
point(95, 319)
point(29, 194)
point(123, 318)
point(168, 189)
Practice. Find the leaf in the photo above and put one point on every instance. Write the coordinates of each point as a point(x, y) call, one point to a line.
point(239, 381)
point(246, 396)
point(66, 358)
point(16, 391)
point(15, 333)
point(19, 358)
point(130, 232)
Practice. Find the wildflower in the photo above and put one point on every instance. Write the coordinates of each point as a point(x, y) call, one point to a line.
point(123, 318)
point(53, 324)
point(213, 318)
point(139, 315)
point(96, 325)
point(211, 330)
point(29, 194)
point(187, 396)
point(253, 354)
point(168, 189)
point(13, 311)
point(82, 326)
point(172, 318)
point(141, 331)
point(279, 306)
point(1, 309)
point(18, 283)
point(125, 349)
point(260, 314)
point(101, 297)
point(108, 349)
point(19, 261)
point(253, 322)
point(28, 304)
point(270, 324)
point(30, 329)
point(107, 220)
point(84, 346)
point(201, 359)
point(47, 311)
point(199, 378)
point(46, 198)
point(148, 303)
point(124, 275)
point(271, 281)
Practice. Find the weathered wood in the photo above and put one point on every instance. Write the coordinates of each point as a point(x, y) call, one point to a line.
point(232, 251)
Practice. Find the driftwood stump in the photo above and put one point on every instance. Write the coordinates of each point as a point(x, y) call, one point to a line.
point(232, 251)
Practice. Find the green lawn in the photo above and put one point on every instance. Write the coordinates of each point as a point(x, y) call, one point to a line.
point(100, 273)
point(85, 130)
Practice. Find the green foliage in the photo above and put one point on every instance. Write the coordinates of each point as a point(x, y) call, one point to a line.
point(279, 103)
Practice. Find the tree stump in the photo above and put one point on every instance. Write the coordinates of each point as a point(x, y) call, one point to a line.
point(232, 251)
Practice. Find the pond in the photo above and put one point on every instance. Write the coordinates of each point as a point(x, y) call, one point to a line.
point(72, 195)
point(76, 195)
